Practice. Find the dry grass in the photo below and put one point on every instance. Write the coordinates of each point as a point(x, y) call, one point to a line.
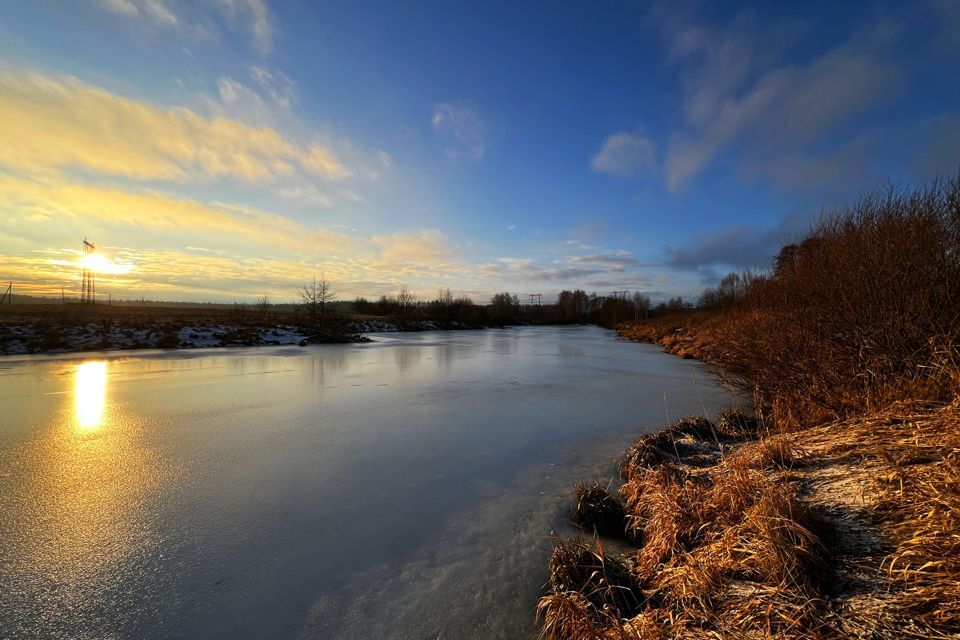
point(693, 439)
point(776, 452)
point(846, 530)
point(718, 547)
point(590, 591)
point(737, 424)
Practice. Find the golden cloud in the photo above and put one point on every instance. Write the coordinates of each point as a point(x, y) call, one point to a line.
point(422, 248)
point(53, 201)
point(51, 123)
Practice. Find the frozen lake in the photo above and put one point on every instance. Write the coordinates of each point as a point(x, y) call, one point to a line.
point(405, 488)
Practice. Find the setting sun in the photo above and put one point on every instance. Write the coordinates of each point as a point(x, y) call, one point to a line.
point(100, 263)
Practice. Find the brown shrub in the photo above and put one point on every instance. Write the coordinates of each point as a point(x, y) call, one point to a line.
point(853, 317)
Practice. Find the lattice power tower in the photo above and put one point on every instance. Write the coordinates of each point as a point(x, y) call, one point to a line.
point(88, 292)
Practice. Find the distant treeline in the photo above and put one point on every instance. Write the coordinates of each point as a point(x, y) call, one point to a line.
point(571, 307)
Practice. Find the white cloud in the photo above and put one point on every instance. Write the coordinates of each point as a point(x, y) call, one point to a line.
point(120, 7)
point(159, 12)
point(460, 128)
point(251, 16)
point(626, 155)
point(254, 16)
point(280, 88)
point(155, 11)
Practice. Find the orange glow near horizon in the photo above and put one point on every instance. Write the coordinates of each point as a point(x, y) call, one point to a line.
point(89, 394)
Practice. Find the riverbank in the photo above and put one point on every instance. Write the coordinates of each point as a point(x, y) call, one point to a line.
point(844, 530)
point(835, 511)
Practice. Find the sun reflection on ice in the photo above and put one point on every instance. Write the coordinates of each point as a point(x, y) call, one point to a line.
point(89, 394)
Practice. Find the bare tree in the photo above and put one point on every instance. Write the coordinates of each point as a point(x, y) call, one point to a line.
point(263, 307)
point(315, 296)
point(641, 305)
point(405, 300)
point(445, 303)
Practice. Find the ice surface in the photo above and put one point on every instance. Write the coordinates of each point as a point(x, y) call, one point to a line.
point(404, 488)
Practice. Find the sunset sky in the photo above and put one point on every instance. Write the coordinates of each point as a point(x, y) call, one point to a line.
point(225, 149)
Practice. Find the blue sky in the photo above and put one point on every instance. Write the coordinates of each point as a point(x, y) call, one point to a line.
point(231, 148)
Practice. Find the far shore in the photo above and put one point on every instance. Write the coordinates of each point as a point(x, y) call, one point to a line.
point(49, 329)
point(53, 337)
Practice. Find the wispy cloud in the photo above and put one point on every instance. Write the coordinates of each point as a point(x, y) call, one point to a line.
point(254, 17)
point(460, 129)
point(49, 123)
point(626, 155)
point(159, 212)
point(156, 11)
point(250, 16)
point(617, 261)
point(280, 88)
point(423, 247)
point(775, 111)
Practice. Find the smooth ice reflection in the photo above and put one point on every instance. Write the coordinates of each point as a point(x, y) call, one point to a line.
point(400, 489)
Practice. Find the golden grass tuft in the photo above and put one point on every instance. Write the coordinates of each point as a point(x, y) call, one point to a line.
point(589, 592)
